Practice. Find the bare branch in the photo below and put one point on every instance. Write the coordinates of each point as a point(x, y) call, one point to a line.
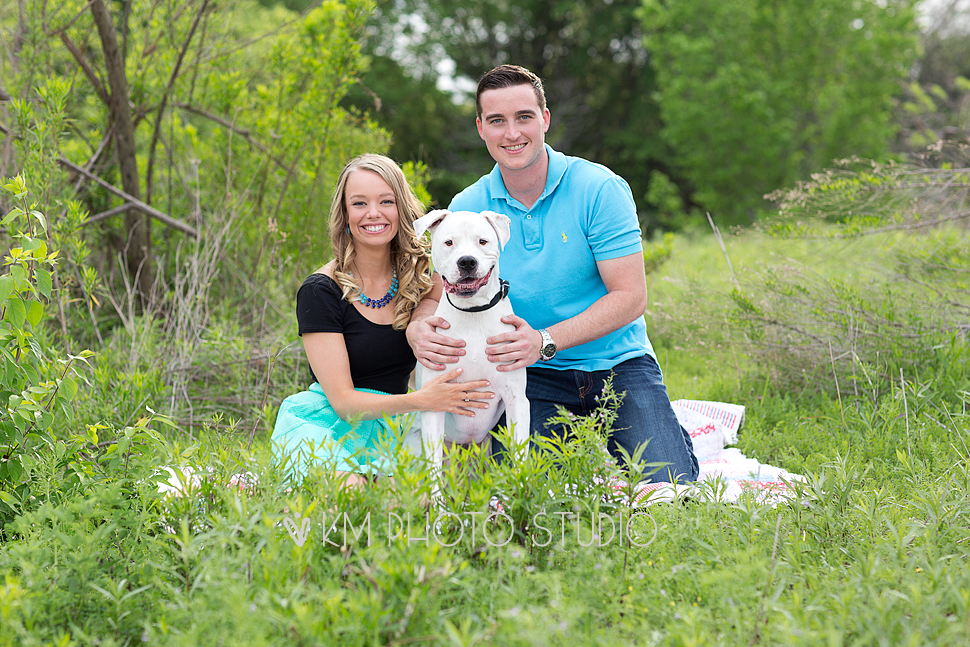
point(289, 177)
point(85, 66)
point(231, 126)
point(137, 223)
point(107, 214)
point(135, 202)
point(149, 184)
point(149, 48)
point(89, 165)
point(244, 43)
point(70, 22)
point(225, 123)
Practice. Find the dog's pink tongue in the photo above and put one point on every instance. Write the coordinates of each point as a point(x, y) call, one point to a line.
point(465, 286)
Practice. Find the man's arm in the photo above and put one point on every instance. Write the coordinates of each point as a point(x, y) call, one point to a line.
point(625, 300)
point(431, 348)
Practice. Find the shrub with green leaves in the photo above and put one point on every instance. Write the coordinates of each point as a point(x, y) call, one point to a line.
point(33, 385)
point(899, 304)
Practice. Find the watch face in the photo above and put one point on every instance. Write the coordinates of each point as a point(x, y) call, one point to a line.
point(548, 351)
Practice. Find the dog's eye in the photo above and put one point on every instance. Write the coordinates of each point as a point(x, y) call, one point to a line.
point(482, 241)
point(449, 243)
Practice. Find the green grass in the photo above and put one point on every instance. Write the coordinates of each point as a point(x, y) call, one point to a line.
point(873, 550)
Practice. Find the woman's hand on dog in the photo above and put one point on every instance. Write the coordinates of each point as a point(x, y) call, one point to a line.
point(443, 394)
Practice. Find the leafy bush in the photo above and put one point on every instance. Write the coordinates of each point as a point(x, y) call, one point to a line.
point(656, 254)
point(32, 384)
point(902, 302)
point(48, 457)
point(754, 96)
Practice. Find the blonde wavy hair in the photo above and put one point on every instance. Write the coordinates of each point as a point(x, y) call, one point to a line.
point(409, 255)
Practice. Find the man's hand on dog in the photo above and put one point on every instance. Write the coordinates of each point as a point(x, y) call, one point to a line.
point(516, 349)
point(430, 347)
point(511, 350)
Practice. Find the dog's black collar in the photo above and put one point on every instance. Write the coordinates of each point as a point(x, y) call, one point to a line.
point(501, 294)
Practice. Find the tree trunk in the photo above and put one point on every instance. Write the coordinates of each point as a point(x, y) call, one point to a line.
point(139, 247)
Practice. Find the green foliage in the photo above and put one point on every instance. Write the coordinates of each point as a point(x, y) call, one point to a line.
point(425, 125)
point(307, 75)
point(250, 137)
point(931, 113)
point(32, 384)
point(874, 544)
point(669, 210)
point(239, 115)
point(942, 78)
point(755, 95)
point(39, 136)
point(44, 457)
point(598, 83)
point(903, 303)
point(658, 253)
point(810, 337)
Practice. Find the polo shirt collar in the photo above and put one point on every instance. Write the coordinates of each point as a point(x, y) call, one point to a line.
point(554, 175)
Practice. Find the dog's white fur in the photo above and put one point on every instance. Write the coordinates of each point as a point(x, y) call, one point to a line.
point(465, 235)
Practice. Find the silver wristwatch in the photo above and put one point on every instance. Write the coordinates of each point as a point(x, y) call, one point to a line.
point(548, 349)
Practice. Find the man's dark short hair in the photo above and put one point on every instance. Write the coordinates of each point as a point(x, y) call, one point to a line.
point(509, 76)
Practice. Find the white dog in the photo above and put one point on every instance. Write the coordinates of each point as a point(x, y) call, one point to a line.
point(465, 248)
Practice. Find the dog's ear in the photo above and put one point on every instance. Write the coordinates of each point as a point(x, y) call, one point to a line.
point(430, 221)
point(501, 224)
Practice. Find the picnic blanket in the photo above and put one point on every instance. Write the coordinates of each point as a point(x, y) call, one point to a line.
point(725, 473)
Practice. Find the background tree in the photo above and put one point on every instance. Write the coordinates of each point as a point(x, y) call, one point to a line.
point(236, 132)
point(195, 106)
point(598, 82)
point(755, 94)
point(426, 126)
point(937, 102)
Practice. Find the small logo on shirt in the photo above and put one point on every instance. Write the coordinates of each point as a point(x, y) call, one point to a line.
point(563, 236)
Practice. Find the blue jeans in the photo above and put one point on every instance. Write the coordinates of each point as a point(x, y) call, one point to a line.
point(645, 415)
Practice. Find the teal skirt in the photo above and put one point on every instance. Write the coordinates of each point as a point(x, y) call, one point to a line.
point(309, 432)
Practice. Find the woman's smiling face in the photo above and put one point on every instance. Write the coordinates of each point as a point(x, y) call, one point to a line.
point(371, 208)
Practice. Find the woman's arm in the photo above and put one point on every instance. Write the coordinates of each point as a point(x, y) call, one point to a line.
point(327, 354)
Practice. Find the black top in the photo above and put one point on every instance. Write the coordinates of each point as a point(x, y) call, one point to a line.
point(380, 357)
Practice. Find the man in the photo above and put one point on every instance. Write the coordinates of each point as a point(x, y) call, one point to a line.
point(575, 265)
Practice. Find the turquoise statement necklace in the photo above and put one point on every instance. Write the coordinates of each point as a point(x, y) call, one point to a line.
point(383, 301)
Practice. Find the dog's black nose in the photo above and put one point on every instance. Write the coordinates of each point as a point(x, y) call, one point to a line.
point(467, 263)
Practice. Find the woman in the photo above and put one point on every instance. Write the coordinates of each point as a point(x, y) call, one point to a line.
point(352, 316)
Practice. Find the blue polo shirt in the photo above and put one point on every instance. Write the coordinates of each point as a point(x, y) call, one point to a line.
point(585, 214)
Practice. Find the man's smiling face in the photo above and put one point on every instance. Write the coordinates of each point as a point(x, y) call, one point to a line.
point(513, 126)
